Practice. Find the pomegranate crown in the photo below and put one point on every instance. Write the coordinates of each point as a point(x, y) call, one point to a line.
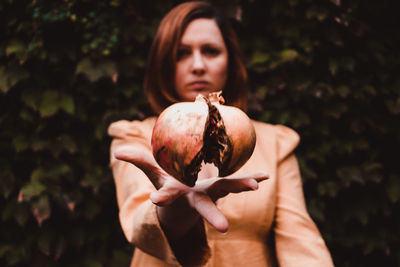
point(213, 97)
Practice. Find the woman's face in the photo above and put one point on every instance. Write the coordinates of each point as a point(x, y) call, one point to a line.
point(202, 60)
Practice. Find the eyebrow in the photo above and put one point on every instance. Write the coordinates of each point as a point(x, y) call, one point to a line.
point(217, 45)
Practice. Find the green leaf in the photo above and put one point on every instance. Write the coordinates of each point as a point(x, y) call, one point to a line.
point(288, 55)
point(20, 143)
point(316, 209)
point(293, 3)
point(8, 210)
point(52, 101)
point(49, 104)
point(53, 173)
point(92, 179)
point(92, 263)
point(393, 188)
point(18, 48)
point(4, 249)
point(16, 255)
point(343, 91)
point(41, 209)
point(266, 116)
point(27, 115)
point(7, 183)
point(91, 209)
point(283, 117)
point(336, 110)
point(86, 67)
point(70, 145)
point(45, 242)
point(21, 214)
point(95, 71)
point(120, 258)
point(318, 13)
point(350, 174)
point(369, 89)
point(348, 64)
point(259, 57)
point(100, 131)
point(373, 171)
point(333, 66)
point(31, 98)
point(59, 247)
point(393, 105)
point(10, 76)
point(329, 188)
point(31, 190)
point(67, 104)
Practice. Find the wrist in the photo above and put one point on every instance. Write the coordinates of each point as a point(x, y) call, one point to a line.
point(178, 218)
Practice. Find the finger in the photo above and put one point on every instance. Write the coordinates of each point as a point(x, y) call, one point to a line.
point(258, 176)
point(136, 156)
point(168, 193)
point(226, 186)
point(234, 186)
point(164, 198)
point(203, 204)
point(235, 183)
point(144, 161)
point(245, 184)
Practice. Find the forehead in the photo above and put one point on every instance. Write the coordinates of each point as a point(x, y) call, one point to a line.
point(202, 30)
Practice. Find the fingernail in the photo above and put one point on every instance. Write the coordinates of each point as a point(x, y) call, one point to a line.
point(253, 184)
point(117, 154)
point(153, 198)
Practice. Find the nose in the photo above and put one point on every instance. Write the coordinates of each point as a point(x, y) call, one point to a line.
point(198, 65)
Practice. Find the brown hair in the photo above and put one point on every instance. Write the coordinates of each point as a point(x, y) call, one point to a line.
point(159, 81)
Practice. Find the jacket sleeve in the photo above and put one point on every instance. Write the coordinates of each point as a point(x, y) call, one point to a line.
point(297, 239)
point(137, 214)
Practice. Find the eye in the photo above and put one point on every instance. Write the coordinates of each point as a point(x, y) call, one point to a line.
point(211, 51)
point(182, 53)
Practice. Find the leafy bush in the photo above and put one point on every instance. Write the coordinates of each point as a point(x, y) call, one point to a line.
point(328, 69)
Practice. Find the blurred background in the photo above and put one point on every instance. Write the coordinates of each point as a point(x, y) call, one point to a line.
point(68, 68)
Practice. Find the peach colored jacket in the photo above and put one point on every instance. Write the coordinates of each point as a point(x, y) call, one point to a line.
point(267, 227)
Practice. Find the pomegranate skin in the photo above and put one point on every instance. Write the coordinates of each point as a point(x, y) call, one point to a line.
point(178, 136)
point(242, 136)
point(187, 133)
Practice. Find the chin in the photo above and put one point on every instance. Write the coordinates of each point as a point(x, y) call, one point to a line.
point(191, 96)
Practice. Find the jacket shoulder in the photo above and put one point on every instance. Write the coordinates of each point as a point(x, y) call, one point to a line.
point(132, 129)
point(283, 138)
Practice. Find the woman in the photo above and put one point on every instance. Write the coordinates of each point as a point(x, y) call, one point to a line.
point(196, 51)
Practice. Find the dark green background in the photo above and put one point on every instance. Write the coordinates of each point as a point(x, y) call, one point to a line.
point(328, 69)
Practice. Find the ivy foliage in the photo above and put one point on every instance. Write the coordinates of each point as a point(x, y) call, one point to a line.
point(328, 69)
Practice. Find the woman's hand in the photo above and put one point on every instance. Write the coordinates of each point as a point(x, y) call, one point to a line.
point(201, 197)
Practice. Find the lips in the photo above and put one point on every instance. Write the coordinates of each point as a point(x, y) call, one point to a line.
point(199, 85)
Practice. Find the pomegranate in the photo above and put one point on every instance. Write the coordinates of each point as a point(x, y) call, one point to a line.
point(188, 133)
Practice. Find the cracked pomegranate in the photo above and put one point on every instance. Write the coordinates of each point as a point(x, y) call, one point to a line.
point(188, 133)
